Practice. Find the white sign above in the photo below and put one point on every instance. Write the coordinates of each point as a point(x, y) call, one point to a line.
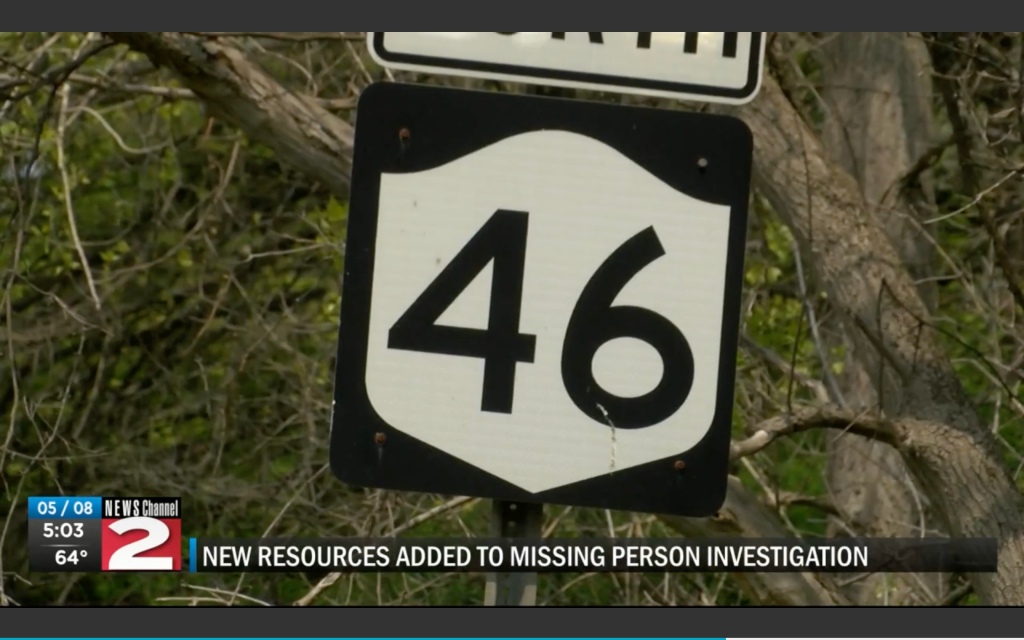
point(723, 67)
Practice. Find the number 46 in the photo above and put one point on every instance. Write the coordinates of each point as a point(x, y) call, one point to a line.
point(594, 323)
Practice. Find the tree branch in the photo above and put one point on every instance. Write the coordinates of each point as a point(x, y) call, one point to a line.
point(763, 435)
point(168, 93)
point(744, 515)
point(941, 49)
point(298, 129)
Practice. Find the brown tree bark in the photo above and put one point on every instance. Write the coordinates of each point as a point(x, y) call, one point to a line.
point(878, 124)
point(950, 454)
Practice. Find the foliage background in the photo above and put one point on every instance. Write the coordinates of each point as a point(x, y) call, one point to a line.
point(169, 294)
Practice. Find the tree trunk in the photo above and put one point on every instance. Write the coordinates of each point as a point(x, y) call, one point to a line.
point(951, 455)
point(878, 124)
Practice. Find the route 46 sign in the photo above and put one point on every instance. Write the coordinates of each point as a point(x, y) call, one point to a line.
point(709, 66)
point(541, 300)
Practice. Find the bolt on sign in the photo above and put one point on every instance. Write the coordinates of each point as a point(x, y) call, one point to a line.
point(708, 66)
point(541, 300)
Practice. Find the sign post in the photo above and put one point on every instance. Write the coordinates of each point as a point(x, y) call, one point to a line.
point(514, 520)
point(542, 297)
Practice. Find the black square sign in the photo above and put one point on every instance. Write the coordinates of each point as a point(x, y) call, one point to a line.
point(541, 300)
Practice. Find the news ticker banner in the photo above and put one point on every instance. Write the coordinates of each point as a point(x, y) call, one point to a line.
point(591, 556)
point(93, 534)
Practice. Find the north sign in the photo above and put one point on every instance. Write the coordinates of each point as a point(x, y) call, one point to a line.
point(707, 66)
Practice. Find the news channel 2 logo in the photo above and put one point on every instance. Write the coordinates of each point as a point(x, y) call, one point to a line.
point(91, 535)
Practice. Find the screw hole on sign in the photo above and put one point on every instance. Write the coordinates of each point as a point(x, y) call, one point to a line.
point(679, 466)
point(404, 136)
point(703, 164)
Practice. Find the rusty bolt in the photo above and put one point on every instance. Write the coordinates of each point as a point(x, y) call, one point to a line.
point(380, 439)
point(679, 465)
point(404, 133)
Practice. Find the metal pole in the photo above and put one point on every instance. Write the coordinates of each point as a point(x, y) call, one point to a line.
point(514, 520)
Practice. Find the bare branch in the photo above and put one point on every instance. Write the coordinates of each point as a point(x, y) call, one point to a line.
point(744, 515)
point(802, 421)
point(284, 36)
point(69, 208)
point(169, 93)
point(300, 131)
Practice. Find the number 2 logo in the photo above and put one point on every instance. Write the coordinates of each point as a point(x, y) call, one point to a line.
point(594, 322)
point(127, 557)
